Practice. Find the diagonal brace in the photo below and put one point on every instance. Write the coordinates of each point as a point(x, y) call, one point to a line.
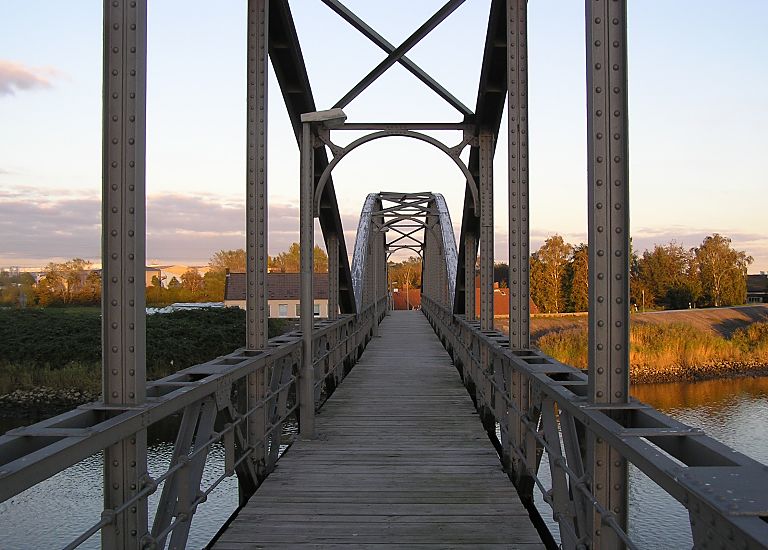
point(348, 16)
point(396, 54)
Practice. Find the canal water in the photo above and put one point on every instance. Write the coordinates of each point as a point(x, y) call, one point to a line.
point(735, 411)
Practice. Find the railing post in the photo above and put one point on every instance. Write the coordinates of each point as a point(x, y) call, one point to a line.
point(486, 231)
point(307, 230)
point(257, 309)
point(123, 258)
point(606, 35)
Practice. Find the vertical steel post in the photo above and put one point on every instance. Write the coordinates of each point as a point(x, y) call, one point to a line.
point(333, 277)
point(517, 112)
point(606, 35)
point(519, 283)
point(470, 258)
point(257, 309)
point(123, 258)
point(307, 238)
point(486, 231)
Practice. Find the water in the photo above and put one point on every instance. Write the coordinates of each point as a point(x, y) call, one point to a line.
point(56, 511)
point(735, 412)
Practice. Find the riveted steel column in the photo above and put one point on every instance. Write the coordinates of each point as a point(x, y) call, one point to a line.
point(519, 314)
point(307, 237)
point(123, 257)
point(517, 112)
point(608, 247)
point(486, 231)
point(333, 277)
point(256, 305)
point(470, 258)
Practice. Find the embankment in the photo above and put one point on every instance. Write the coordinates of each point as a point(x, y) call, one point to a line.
point(670, 345)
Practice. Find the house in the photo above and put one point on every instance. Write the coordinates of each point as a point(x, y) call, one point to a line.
point(284, 291)
point(757, 288)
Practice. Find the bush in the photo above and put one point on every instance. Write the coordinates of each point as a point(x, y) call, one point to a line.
point(36, 343)
point(676, 351)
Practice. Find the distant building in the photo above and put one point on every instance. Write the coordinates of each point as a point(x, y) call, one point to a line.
point(284, 291)
point(166, 273)
point(757, 289)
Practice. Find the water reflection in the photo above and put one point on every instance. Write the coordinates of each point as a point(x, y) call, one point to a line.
point(733, 411)
point(55, 512)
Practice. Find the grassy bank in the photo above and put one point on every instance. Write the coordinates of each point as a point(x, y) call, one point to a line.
point(672, 351)
point(61, 348)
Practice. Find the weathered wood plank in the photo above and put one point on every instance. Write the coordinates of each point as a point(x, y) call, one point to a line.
point(400, 460)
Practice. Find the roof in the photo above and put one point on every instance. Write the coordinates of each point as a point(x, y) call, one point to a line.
point(757, 283)
point(280, 286)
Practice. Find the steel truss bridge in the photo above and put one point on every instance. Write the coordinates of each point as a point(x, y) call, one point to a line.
point(588, 424)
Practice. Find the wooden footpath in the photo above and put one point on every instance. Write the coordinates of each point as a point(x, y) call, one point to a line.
point(400, 460)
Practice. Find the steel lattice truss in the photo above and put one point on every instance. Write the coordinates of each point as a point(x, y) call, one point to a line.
point(587, 423)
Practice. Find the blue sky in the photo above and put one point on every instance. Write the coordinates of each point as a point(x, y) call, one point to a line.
point(698, 122)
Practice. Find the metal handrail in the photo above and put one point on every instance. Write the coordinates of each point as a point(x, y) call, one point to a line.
point(690, 471)
point(57, 443)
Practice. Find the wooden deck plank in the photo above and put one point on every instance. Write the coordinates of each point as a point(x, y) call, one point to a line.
point(400, 460)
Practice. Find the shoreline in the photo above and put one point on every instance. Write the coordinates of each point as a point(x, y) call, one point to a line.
point(722, 370)
point(45, 402)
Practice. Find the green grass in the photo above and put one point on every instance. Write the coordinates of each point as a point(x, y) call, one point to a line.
point(61, 347)
point(666, 352)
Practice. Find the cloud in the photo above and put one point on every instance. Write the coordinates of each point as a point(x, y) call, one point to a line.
point(37, 226)
point(15, 77)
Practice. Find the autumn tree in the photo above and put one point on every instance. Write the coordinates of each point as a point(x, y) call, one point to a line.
point(722, 271)
point(552, 259)
point(664, 273)
point(577, 279)
point(192, 281)
point(406, 274)
point(65, 283)
point(232, 260)
point(290, 260)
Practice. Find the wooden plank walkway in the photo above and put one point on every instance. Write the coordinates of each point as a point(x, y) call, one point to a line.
point(400, 461)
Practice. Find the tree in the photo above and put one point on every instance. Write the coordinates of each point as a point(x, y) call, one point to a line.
point(722, 271)
point(665, 276)
point(553, 257)
point(290, 260)
point(501, 274)
point(192, 281)
point(406, 274)
point(232, 260)
point(577, 279)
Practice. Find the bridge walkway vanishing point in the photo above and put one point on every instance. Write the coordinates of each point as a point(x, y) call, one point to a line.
point(400, 458)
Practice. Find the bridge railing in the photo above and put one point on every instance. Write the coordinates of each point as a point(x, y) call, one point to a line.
point(724, 491)
point(211, 399)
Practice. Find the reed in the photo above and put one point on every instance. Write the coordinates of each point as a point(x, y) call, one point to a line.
point(675, 351)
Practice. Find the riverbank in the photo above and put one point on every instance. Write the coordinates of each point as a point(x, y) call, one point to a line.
point(669, 346)
point(50, 358)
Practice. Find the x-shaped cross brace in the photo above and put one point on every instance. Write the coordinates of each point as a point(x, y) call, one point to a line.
point(397, 54)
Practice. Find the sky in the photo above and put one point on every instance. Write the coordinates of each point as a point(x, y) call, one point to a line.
point(698, 119)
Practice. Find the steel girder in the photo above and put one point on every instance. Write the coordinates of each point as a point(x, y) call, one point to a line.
point(291, 73)
point(490, 106)
point(123, 256)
